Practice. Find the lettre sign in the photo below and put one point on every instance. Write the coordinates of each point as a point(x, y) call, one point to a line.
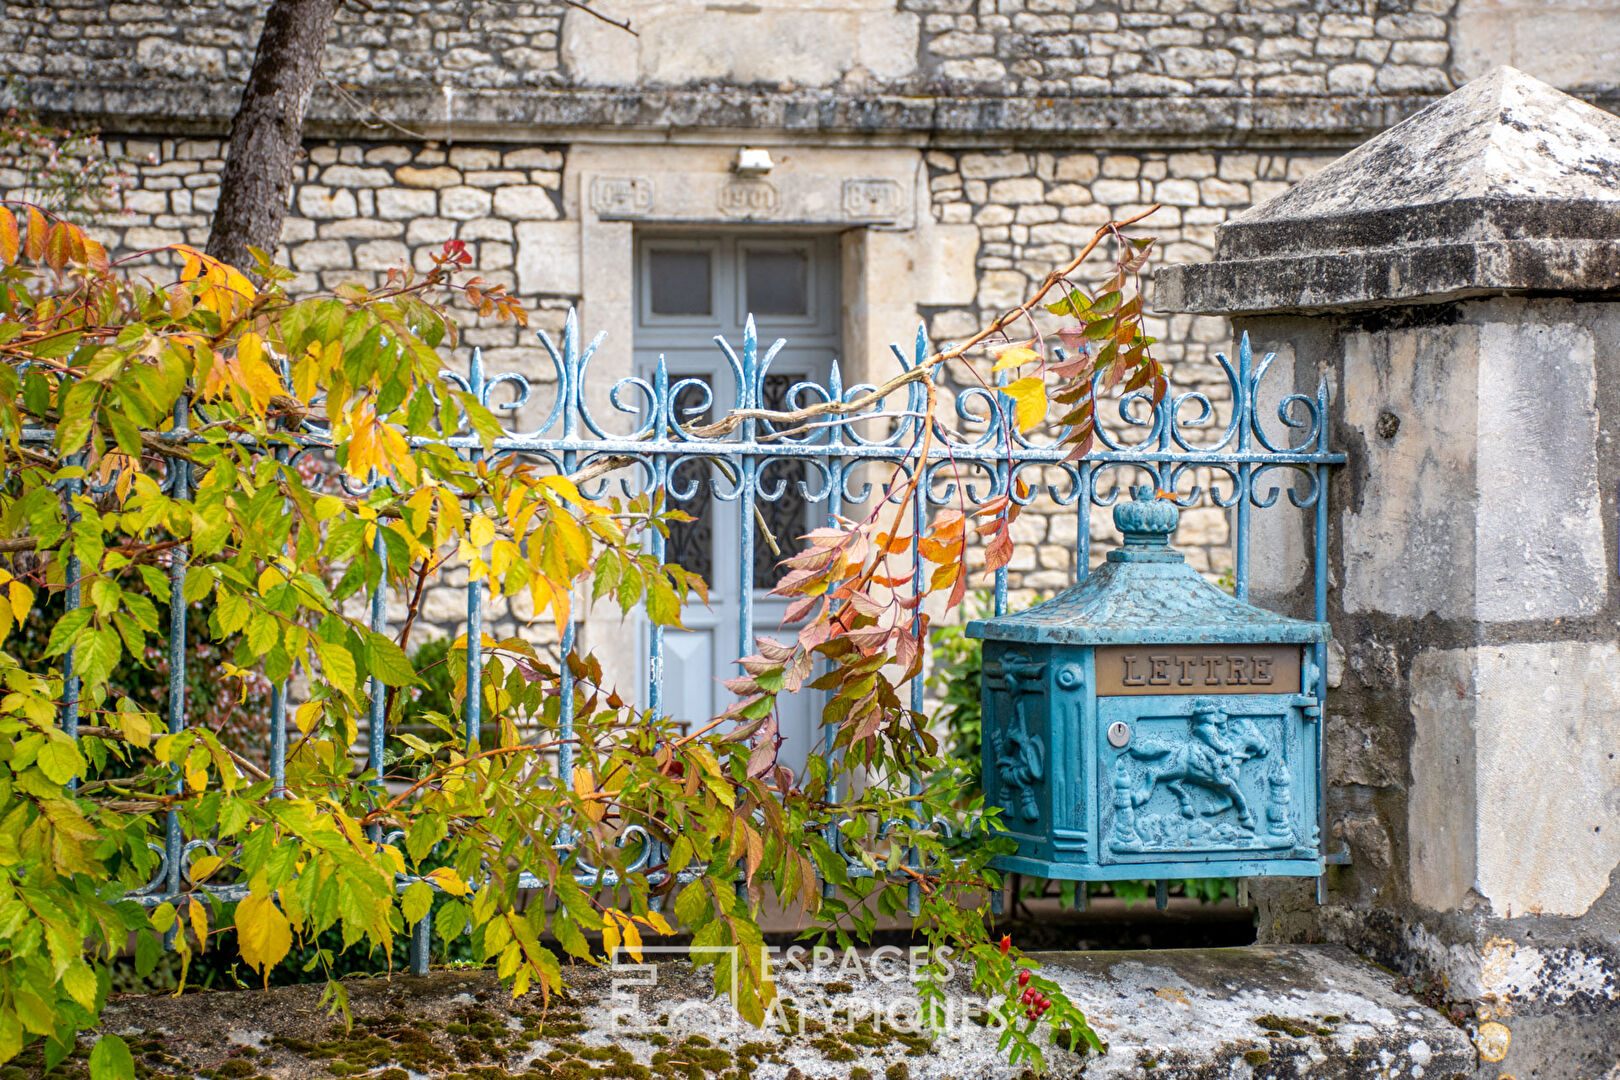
point(1125, 670)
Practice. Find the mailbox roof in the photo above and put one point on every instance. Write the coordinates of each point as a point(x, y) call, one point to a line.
point(1150, 603)
point(1146, 594)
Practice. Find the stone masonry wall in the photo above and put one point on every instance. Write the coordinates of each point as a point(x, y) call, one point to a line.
point(1218, 47)
point(1047, 48)
point(482, 42)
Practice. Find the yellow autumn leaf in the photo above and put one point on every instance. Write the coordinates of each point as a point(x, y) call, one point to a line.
point(584, 787)
point(203, 868)
point(1029, 401)
point(198, 912)
point(632, 939)
point(564, 487)
point(136, 727)
point(482, 531)
point(448, 880)
point(238, 283)
point(308, 715)
point(306, 376)
point(262, 933)
point(191, 262)
point(362, 445)
point(259, 378)
point(398, 453)
point(22, 599)
point(1011, 358)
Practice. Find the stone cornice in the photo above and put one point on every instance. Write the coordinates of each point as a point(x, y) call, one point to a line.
point(672, 115)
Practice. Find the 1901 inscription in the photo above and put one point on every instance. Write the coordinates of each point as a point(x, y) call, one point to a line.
point(1198, 669)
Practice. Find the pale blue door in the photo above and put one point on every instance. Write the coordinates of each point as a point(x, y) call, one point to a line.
point(690, 288)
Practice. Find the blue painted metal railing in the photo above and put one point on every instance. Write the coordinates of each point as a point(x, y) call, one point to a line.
point(1228, 464)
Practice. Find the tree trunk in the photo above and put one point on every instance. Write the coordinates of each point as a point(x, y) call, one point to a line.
point(268, 129)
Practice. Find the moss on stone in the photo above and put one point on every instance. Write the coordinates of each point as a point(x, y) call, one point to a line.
point(1287, 1025)
point(1257, 1058)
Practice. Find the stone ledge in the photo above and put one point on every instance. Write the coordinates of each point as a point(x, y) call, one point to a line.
point(1299, 1011)
point(1364, 279)
point(943, 120)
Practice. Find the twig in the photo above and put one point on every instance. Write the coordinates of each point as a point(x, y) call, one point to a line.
point(97, 731)
point(587, 9)
point(360, 107)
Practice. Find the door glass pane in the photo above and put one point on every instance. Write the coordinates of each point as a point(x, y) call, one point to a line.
point(679, 282)
point(691, 543)
point(777, 282)
point(788, 517)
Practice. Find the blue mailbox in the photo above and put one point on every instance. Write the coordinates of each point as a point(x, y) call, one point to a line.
point(1145, 724)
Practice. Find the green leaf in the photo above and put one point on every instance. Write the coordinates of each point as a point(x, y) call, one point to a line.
point(1073, 304)
point(60, 761)
point(66, 629)
point(80, 983)
point(199, 583)
point(263, 632)
point(232, 611)
point(338, 665)
point(692, 906)
point(663, 606)
point(388, 662)
point(482, 420)
point(416, 901)
point(569, 935)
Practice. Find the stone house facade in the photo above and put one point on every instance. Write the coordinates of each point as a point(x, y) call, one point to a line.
point(933, 158)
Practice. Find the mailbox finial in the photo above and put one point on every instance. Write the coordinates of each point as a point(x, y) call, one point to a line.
point(1146, 521)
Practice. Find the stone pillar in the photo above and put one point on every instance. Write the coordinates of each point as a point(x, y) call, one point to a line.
point(1457, 278)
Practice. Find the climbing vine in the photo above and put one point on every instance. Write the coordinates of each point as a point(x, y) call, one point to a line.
point(157, 441)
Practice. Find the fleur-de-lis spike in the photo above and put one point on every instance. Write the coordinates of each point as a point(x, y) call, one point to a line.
point(661, 401)
point(750, 390)
point(475, 375)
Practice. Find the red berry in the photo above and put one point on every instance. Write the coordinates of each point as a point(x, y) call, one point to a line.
point(1006, 943)
point(1023, 977)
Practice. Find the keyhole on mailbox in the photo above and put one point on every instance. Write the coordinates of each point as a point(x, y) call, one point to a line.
point(1119, 733)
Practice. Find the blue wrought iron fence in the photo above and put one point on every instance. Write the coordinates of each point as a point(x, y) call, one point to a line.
point(1229, 463)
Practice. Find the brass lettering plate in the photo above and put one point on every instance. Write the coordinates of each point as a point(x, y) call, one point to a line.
point(1124, 670)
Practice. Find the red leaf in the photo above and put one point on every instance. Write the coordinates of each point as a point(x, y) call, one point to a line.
point(763, 758)
point(774, 650)
point(799, 609)
point(908, 653)
point(998, 552)
point(741, 685)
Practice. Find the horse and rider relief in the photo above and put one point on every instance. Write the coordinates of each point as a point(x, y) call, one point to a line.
point(1193, 781)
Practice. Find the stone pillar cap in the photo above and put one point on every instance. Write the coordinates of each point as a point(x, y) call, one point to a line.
point(1504, 185)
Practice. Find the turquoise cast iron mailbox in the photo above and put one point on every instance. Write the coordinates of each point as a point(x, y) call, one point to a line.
point(1145, 724)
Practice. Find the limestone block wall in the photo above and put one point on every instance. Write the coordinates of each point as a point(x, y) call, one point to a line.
point(1163, 47)
point(482, 42)
point(1042, 48)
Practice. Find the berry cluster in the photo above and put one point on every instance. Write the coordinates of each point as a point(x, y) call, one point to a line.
point(1035, 1003)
